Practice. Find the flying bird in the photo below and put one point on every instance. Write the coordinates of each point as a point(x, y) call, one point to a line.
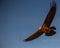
point(45, 28)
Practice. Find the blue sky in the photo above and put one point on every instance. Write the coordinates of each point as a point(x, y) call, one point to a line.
point(20, 18)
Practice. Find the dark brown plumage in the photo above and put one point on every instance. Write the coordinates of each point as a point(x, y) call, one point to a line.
point(47, 23)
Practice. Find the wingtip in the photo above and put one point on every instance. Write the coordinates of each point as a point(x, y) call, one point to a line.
point(26, 40)
point(54, 2)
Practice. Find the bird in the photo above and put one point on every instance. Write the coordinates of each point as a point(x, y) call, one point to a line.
point(45, 28)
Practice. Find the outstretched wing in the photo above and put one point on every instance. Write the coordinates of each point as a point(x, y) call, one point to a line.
point(50, 15)
point(34, 36)
point(47, 22)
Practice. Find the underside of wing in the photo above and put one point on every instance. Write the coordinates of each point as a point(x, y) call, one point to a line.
point(50, 15)
point(34, 36)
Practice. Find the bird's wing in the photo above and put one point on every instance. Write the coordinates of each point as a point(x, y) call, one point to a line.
point(34, 36)
point(50, 15)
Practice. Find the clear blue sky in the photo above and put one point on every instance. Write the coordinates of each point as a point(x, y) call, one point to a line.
point(19, 19)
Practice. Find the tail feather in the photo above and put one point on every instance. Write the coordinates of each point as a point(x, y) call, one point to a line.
point(51, 33)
